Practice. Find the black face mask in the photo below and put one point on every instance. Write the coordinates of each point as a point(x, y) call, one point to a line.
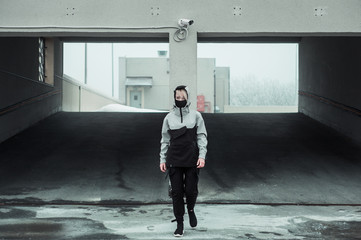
point(181, 104)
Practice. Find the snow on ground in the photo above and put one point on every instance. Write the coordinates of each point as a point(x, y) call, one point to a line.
point(123, 108)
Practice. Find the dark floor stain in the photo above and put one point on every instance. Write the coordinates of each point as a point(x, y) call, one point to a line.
point(168, 218)
point(273, 233)
point(18, 191)
point(16, 213)
point(327, 229)
point(166, 211)
point(249, 236)
point(150, 228)
point(22, 201)
point(121, 183)
point(124, 211)
point(201, 229)
point(58, 228)
point(127, 209)
point(29, 229)
point(102, 236)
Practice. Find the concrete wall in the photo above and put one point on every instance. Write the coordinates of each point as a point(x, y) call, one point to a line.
point(79, 98)
point(329, 82)
point(23, 99)
point(108, 17)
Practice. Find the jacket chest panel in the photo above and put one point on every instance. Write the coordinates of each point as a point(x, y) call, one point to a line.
point(175, 122)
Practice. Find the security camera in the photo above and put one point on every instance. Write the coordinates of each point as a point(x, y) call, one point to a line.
point(184, 23)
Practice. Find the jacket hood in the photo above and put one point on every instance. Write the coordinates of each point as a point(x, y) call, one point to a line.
point(184, 110)
point(182, 87)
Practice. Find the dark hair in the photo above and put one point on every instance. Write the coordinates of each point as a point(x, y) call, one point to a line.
point(181, 87)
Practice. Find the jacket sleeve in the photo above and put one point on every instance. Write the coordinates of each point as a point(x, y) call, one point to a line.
point(201, 136)
point(164, 142)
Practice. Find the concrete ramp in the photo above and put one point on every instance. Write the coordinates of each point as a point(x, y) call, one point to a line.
point(113, 158)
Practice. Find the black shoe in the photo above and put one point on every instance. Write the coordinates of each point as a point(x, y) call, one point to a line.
point(192, 218)
point(179, 231)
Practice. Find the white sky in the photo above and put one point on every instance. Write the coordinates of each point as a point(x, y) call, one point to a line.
point(275, 61)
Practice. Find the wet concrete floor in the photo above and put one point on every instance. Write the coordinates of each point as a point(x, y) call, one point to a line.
point(216, 221)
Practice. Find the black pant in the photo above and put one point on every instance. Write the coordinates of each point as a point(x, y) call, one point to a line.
point(184, 180)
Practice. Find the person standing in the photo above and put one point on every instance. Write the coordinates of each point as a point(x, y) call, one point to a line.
point(183, 153)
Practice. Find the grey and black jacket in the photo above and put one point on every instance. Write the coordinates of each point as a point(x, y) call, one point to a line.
point(184, 138)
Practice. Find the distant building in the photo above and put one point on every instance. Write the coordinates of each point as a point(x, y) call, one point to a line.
point(144, 83)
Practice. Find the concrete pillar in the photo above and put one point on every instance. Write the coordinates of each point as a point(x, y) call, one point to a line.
point(183, 65)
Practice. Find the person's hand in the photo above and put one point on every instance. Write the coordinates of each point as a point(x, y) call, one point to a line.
point(201, 162)
point(163, 167)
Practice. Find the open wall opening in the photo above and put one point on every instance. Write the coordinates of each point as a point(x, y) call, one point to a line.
point(248, 77)
point(113, 76)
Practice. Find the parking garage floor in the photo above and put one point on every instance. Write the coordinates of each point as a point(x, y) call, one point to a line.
point(96, 176)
